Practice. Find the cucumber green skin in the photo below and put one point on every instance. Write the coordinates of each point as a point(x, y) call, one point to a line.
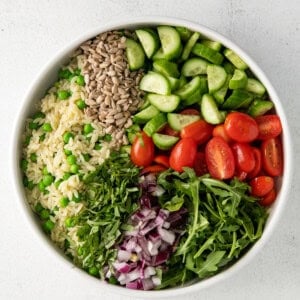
point(215, 82)
point(155, 124)
point(255, 86)
point(145, 115)
point(221, 93)
point(259, 107)
point(238, 99)
point(210, 111)
point(239, 80)
point(212, 44)
point(149, 83)
point(164, 103)
point(235, 59)
point(166, 68)
point(184, 33)
point(163, 141)
point(207, 53)
point(147, 36)
point(189, 45)
point(194, 66)
point(178, 121)
point(229, 67)
point(135, 55)
point(174, 83)
point(197, 96)
point(189, 88)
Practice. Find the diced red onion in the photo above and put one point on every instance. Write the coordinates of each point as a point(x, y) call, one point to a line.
point(132, 285)
point(160, 258)
point(149, 271)
point(122, 267)
point(166, 235)
point(123, 255)
point(147, 284)
point(166, 225)
point(156, 281)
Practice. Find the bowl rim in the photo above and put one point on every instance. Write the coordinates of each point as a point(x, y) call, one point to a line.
point(132, 22)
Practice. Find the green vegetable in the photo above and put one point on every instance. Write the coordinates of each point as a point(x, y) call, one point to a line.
point(80, 80)
point(71, 159)
point(74, 168)
point(63, 94)
point(48, 179)
point(80, 104)
point(33, 157)
point(67, 136)
point(87, 128)
point(45, 214)
point(65, 74)
point(24, 164)
point(64, 201)
point(48, 226)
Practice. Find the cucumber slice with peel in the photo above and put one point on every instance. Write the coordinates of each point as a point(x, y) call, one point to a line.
point(170, 41)
point(212, 44)
point(238, 99)
point(178, 121)
point(189, 45)
point(184, 33)
point(163, 141)
point(155, 124)
point(165, 67)
point(259, 107)
point(189, 88)
point(238, 80)
point(216, 77)
point(235, 59)
point(149, 40)
point(174, 83)
point(155, 83)
point(164, 103)
point(207, 53)
point(145, 115)
point(210, 111)
point(255, 86)
point(135, 54)
point(220, 94)
point(194, 66)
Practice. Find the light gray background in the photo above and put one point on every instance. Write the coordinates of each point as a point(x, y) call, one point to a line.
point(32, 31)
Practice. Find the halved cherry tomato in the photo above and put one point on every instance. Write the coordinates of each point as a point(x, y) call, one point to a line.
point(219, 159)
point(244, 156)
point(200, 131)
point(190, 111)
point(257, 168)
point(162, 160)
point(169, 131)
point(261, 185)
point(272, 159)
point(183, 154)
point(153, 169)
point(142, 150)
point(200, 165)
point(268, 199)
point(219, 130)
point(269, 126)
point(241, 127)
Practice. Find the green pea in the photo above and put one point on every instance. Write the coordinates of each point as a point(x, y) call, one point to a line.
point(80, 80)
point(64, 201)
point(48, 179)
point(107, 138)
point(65, 74)
point(33, 125)
point(57, 183)
point(113, 280)
point(33, 157)
point(87, 128)
point(63, 94)
point(66, 176)
point(27, 140)
point(77, 71)
point(47, 127)
point(45, 171)
point(67, 152)
point(98, 146)
point(67, 136)
point(24, 164)
point(31, 185)
point(80, 104)
point(38, 115)
point(41, 186)
point(48, 226)
point(74, 168)
point(45, 214)
point(70, 222)
point(86, 156)
point(94, 271)
point(42, 137)
point(38, 207)
point(76, 199)
point(71, 159)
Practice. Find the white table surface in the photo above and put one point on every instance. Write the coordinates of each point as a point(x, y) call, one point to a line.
point(32, 31)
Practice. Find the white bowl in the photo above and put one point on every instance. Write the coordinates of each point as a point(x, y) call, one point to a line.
point(48, 77)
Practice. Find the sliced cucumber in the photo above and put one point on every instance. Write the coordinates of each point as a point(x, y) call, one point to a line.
point(170, 41)
point(164, 103)
point(159, 55)
point(255, 86)
point(229, 67)
point(235, 59)
point(259, 107)
point(163, 141)
point(189, 88)
point(238, 80)
point(194, 66)
point(135, 54)
point(212, 44)
point(145, 104)
point(210, 111)
point(220, 94)
point(195, 98)
point(146, 114)
point(155, 83)
point(189, 45)
point(182, 81)
point(149, 40)
point(184, 33)
point(174, 83)
point(178, 121)
point(155, 124)
point(216, 77)
point(209, 54)
point(238, 99)
point(125, 149)
point(165, 67)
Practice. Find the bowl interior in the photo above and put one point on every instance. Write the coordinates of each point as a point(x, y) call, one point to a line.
point(49, 75)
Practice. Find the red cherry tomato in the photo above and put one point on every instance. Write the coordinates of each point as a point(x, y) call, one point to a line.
point(162, 160)
point(142, 150)
point(220, 131)
point(241, 127)
point(257, 167)
point(244, 156)
point(261, 185)
point(219, 159)
point(183, 154)
point(190, 111)
point(200, 165)
point(169, 131)
point(272, 158)
point(153, 169)
point(269, 126)
point(200, 131)
point(269, 198)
